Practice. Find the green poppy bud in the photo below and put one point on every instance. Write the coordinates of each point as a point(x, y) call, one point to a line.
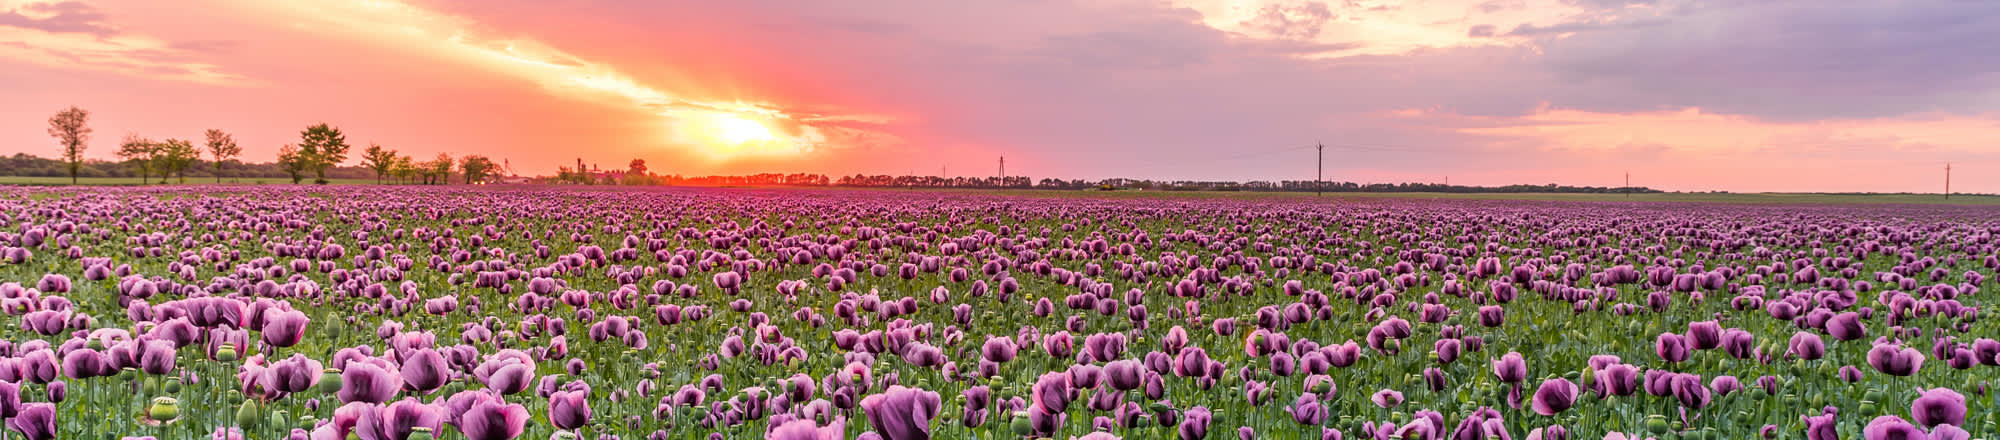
point(94, 344)
point(1869, 409)
point(563, 435)
point(227, 353)
point(329, 381)
point(1875, 394)
point(1021, 425)
point(421, 433)
point(173, 385)
point(1657, 424)
point(164, 409)
point(248, 414)
point(1589, 376)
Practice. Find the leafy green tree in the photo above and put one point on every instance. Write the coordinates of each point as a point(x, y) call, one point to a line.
point(71, 128)
point(477, 168)
point(175, 155)
point(378, 159)
point(439, 170)
point(322, 146)
point(140, 153)
point(294, 162)
point(222, 147)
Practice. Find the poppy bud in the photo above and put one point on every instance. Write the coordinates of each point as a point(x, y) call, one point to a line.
point(1656, 424)
point(164, 409)
point(1021, 425)
point(227, 353)
point(329, 381)
point(248, 414)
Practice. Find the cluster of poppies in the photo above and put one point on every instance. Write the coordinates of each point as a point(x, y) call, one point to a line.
point(396, 314)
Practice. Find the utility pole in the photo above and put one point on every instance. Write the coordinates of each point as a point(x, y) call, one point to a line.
point(1628, 184)
point(1319, 176)
point(1947, 180)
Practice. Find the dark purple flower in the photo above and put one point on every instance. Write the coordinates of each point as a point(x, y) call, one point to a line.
point(367, 382)
point(37, 421)
point(1704, 335)
point(901, 413)
point(570, 409)
point(1671, 347)
point(1555, 396)
point(284, 328)
point(424, 370)
point(493, 420)
point(1938, 406)
point(1895, 361)
point(1510, 368)
point(1807, 346)
point(1846, 326)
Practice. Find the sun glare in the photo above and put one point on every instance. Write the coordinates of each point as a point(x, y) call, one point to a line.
point(734, 130)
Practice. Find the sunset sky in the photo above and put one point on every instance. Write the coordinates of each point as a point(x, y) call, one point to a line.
point(1784, 95)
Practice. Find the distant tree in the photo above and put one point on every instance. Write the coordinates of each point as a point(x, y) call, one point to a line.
point(406, 168)
point(294, 162)
point(323, 147)
point(140, 153)
point(477, 168)
point(378, 159)
point(222, 147)
point(636, 175)
point(71, 128)
point(174, 156)
point(440, 169)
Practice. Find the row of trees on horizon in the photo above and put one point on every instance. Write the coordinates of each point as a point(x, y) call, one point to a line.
point(319, 153)
point(323, 148)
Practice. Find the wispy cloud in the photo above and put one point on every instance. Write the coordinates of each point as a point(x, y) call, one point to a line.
point(77, 35)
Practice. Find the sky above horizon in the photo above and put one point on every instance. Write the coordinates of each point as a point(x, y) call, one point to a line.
point(1739, 95)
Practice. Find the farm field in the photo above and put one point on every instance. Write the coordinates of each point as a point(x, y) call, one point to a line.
point(494, 313)
point(134, 181)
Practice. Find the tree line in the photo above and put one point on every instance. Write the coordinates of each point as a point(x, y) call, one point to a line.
point(319, 154)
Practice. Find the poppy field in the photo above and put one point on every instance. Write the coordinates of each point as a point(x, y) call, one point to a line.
point(385, 313)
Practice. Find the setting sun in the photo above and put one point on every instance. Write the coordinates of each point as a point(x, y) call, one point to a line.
point(734, 130)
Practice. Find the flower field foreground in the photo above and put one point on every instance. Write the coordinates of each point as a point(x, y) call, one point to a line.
point(493, 314)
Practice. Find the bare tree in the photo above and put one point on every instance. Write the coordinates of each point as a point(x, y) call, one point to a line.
point(222, 147)
point(71, 128)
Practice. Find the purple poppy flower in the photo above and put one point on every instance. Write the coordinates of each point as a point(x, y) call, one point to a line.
point(901, 413)
point(570, 409)
point(1938, 406)
point(1194, 423)
point(1807, 346)
point(1846, 326)
point(806, 429)
point(1671, 347)
point(1704, 335)
point(1510, 368)
point(1822, 426)
point(1554, 396)
point(367, 382)
point(1387, 398)
point(284, 328)
point(493, 420)
point(36, 421)
point(1895, 361)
